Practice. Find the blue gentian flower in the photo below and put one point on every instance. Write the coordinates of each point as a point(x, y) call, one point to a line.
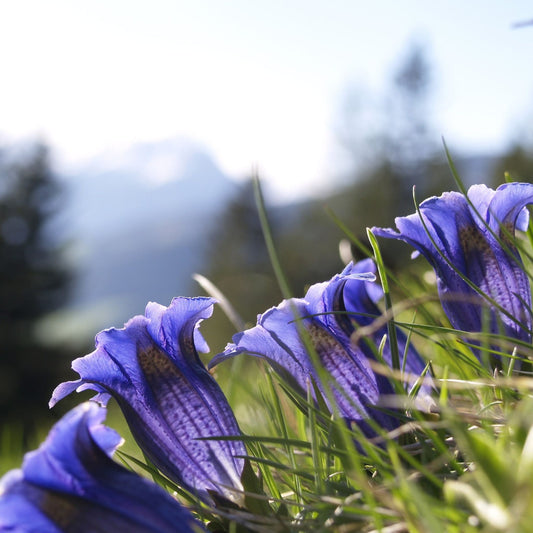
point(170, 401)
point(472, 240)
point(71, 484)
point(329, 313)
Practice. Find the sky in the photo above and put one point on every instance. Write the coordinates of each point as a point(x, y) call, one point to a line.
point(257, 83)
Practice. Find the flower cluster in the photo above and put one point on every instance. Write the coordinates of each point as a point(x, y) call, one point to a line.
point(179, 416)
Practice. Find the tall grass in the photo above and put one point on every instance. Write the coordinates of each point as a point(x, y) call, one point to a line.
point(467, 465)
point(464, 465)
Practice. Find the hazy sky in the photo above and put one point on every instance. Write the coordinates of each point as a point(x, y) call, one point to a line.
point(256, 82)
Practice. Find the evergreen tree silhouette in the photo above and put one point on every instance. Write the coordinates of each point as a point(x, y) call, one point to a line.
point(33, 282)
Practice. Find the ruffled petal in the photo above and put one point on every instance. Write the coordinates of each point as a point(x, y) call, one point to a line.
point(327, 317)
point(71, 484)
point(464, 246)
point(507, 207)
point(170, 401)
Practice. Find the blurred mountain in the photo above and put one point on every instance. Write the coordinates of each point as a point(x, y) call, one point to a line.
point(117, 191)
point(138, 223)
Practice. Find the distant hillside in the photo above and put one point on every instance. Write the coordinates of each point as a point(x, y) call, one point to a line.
point(138, 224)
point(150, 181)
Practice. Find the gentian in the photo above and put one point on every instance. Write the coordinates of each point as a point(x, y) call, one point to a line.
point(472, 239)
point(70, 483)
point(170, 401)
point(328, 315)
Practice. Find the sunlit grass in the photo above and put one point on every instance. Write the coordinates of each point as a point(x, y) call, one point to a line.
point(463, 464)
point(11, 447)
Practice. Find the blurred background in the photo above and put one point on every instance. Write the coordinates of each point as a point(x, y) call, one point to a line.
point(129, 130)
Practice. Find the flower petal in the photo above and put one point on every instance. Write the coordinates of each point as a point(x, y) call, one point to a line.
point(71, 484)
point(464, 246)
point(327, 316)
point(170, 401)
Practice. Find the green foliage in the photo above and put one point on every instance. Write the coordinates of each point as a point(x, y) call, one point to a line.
point(464, 466)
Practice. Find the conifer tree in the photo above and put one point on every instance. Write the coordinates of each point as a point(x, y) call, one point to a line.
point(33, 282)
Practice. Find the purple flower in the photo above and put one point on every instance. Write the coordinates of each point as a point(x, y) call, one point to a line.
point(467, 242)
point(328, 313)
point(152, 369)
point(71, 484)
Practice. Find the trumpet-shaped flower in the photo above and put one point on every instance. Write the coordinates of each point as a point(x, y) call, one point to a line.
point(327, 317)
point(71, 484)
point(470, 238)
point(170, 401)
